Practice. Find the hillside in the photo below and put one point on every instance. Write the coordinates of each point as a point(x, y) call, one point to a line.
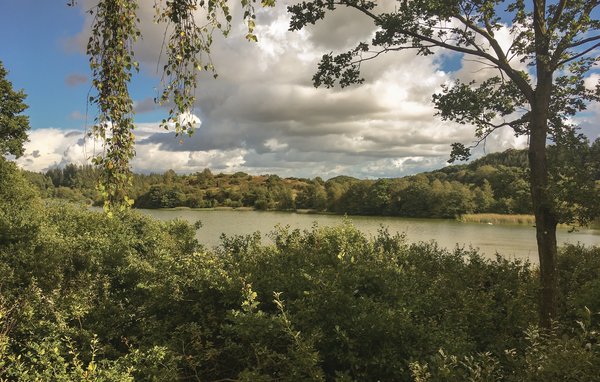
point(495, 183)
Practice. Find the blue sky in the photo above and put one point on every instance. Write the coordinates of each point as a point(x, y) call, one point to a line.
point(262, 115)
point(35, 52)
point(41, 58)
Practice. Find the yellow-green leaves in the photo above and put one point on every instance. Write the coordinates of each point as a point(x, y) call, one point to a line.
point(112, 62)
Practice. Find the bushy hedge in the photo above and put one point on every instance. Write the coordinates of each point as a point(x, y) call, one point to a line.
point(87, 297)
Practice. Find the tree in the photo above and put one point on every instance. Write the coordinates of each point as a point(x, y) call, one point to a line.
point(484, 197)
point(13, 125)
point(557, 40)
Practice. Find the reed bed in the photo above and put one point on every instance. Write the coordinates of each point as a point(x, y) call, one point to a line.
point(498, 219)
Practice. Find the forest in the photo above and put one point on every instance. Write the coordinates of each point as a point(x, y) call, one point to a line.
point(494, 183)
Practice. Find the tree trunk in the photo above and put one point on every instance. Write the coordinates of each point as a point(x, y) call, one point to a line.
point(545, 219)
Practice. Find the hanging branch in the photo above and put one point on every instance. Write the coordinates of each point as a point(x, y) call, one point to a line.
point(110, 49)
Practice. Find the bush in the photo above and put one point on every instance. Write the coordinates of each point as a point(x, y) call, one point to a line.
point(373, 305)
point(579, 283)
point(548, 356)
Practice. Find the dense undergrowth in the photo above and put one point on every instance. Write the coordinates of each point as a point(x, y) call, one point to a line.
point(89, 298)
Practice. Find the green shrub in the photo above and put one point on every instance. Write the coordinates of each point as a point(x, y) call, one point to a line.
point(373, 305)
point(548, 356)
point(579, 282)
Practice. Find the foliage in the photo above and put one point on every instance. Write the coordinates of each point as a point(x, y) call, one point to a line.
point(18, 215)
point(547, 356)
point(110, 48)
point(573, 187)
point(580, 278)
point(13, 124)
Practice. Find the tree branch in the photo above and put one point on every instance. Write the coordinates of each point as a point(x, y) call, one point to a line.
point(583, 41)
point(566, 41)
point(501, 62)
point(376, 54)
point(418, 36)
point(359, 8)
point(578, 55)
point(557, 16)
point(494, 127)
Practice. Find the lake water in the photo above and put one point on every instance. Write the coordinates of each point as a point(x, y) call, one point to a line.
point(507, 240)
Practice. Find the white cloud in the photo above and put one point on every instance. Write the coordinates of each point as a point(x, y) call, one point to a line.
point(592, 81)
point(263, 115)
point(54, 147)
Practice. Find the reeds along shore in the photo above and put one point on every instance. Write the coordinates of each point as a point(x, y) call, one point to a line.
point(498, 219)
point(510, 219)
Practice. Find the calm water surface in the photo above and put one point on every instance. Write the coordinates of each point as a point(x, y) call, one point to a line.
point(509, 241)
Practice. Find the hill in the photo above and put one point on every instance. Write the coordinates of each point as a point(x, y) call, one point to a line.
point(495, 183)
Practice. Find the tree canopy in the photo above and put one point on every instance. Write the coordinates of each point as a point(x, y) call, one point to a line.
point(13, 124)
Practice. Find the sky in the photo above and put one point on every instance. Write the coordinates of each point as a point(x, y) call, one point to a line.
point(262, 115)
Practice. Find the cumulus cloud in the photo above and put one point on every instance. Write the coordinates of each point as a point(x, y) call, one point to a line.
point(262, 115)
point(52, 147)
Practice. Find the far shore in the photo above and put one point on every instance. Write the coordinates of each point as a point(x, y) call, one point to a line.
point(225, 208)
point(486, 218)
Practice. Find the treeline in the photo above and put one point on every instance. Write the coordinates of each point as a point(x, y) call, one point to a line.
point(87, 297)
point(496, 183)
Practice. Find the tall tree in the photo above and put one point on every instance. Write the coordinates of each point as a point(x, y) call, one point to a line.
point(557, 40)
point(13, 125)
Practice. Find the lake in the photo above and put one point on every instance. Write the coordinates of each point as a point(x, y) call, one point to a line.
point(508, 240)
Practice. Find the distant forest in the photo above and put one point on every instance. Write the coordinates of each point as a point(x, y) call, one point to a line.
point(495, 183)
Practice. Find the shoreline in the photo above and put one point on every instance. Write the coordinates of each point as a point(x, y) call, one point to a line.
point(484, 218)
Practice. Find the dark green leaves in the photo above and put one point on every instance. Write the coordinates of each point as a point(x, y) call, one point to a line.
point(486, 106)
point(343, 68)
point(13, 125)
point(459, 152)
